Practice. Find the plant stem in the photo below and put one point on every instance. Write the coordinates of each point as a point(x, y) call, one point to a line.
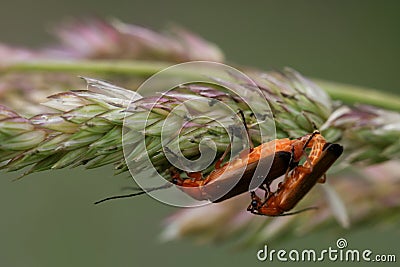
point(137, 68)
point(353, 94)
point(349, 94)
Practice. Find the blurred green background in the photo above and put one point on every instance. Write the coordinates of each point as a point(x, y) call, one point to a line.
point(48, 219)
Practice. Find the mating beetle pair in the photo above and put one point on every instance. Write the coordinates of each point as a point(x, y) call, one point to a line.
point(285, 155)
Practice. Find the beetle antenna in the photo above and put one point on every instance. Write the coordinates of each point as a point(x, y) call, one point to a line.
point(167, 185)
point(297, 211)
point(309, 120)
point(247, 129)
point(309, 139)
point(290, 163)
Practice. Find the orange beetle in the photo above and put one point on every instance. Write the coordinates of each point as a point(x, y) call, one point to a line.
point(299, 182)
point(285, 154)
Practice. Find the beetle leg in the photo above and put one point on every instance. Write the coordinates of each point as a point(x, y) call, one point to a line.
point(195, 179)
point(286, 174)
point(322, 179)
point(308, 160)
point(221, 159)
point(195, 176)
point(227, 150)
point(289, 165)
point(176, 177)
point(244, 153)
point(266, 189)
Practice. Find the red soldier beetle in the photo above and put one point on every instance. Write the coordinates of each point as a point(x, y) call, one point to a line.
point(299, 183)
point(285, 154)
